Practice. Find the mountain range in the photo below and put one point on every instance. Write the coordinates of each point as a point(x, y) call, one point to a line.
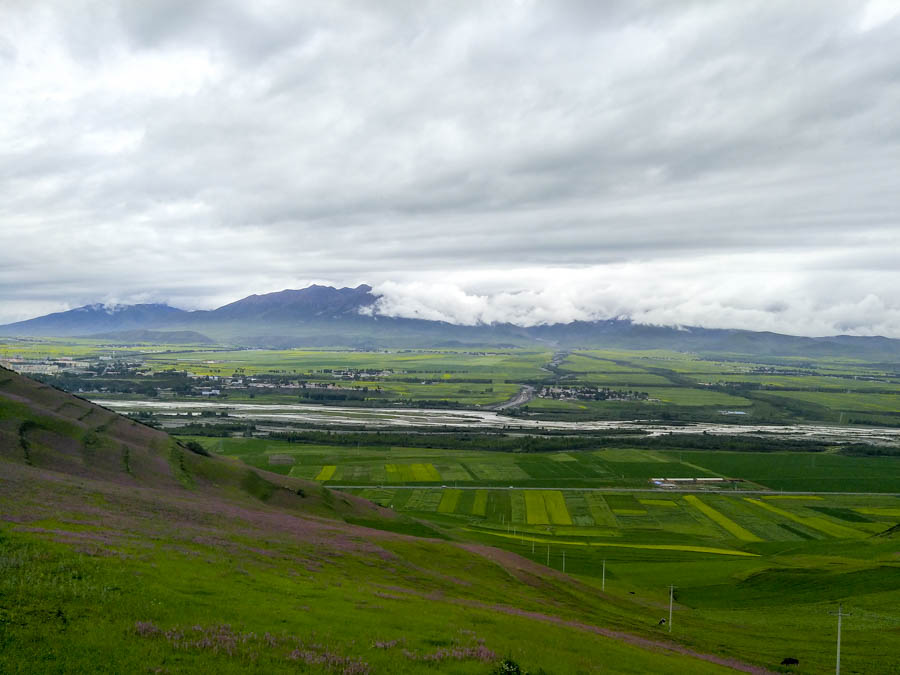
point(325, 316)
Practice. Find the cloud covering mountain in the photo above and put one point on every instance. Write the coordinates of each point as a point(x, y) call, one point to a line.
point(706, 163)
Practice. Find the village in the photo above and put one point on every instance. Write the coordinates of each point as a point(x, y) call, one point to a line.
point(587, 393)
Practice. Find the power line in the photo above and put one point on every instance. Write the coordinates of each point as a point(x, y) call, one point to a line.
point(671, 598)
point(840, 615)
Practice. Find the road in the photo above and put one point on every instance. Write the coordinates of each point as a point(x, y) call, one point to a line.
point(526, 393)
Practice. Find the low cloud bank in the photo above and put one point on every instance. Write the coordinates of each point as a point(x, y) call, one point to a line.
point(811, 303)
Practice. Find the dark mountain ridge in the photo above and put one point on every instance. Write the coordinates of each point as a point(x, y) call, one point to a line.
point(320, 316)
point(306, 303)
point(96, 318)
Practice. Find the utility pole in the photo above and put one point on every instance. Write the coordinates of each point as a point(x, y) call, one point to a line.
point(840, 614)
point(671, 598)
point(603, 578)
point(548, 555)
point(564, 561)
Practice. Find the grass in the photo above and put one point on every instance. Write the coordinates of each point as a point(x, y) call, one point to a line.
point(800, 472)
point(225, 572)
point(479, 505)
point(556, 507)
point(536, 508)
point(326, 473)
point(683, 386)
point(728, 524)
point(449, 501)
point(647, 547)
point(815, 522)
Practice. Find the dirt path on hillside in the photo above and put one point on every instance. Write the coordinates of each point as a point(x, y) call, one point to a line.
point(516, 565)
point(636, 640)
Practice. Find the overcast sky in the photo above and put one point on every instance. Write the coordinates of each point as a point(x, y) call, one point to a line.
point(726, 164)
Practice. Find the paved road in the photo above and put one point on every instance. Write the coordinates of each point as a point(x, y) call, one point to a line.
point(523, 397)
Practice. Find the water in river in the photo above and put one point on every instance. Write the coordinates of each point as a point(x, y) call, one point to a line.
point(419, 418)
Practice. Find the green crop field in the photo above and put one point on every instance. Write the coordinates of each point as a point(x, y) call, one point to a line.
point(609, 467)
point(800, 471)
point(756, 569)
point(662, 384)
point(775, 564)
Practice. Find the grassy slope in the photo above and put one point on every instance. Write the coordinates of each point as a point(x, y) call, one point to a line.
point(122, 552)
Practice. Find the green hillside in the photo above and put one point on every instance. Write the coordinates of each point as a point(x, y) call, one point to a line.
point(123, 551)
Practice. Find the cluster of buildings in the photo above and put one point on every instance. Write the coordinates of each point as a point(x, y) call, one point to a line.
point(48, 366)
point(587, 393)
point(356, 374)
point(675, 483)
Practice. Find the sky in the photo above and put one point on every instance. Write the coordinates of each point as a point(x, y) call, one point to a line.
point(722, 164)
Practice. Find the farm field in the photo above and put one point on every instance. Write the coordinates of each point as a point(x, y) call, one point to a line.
point(721, 524)
point(756, 571)
point(853, 401)
point(770, 568)
point(656, 384)
point(766, 566)
point(445, 364)
point(609, 467)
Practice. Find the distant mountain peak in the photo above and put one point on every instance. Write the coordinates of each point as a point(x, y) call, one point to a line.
point(313, 301)
point(96, 318)
point(323, 315)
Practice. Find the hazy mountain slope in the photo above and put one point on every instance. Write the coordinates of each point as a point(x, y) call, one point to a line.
point(324, 316)
point(96, 319)
point(169, 561)
point(170, 337)
point(309, 303)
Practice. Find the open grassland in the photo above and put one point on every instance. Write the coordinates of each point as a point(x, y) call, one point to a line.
point(445, 364)
point(645, 384)
point(727, 523)
point(768, 569)
point(765, 567)
point(801, 471)
point(852, 401)
point(615, 519)
point(260, 591)
point(378, 465)
point(825, 383)
point(214, 567)
point(609, 467)
point(125, 551)
point(670, 518)
point(78, 348)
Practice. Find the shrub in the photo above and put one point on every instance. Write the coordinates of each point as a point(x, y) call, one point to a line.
point(196, 448)
point(508, 667)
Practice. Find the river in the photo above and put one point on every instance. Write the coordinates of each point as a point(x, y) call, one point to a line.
point(424, 419)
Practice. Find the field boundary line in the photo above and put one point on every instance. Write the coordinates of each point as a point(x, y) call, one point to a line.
point(676, 491)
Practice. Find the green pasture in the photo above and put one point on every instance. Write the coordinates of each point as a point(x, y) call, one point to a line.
point(833, 384)
point(852, 401)
point(632, 520)
point(238, 599)
point(772, 574)
point(609, 467)
point(813, 472)
point(616, 380)
point(78, 348)
point(681, 386)
point(427, 364)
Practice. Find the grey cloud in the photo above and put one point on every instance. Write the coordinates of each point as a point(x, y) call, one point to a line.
point(198, 152)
